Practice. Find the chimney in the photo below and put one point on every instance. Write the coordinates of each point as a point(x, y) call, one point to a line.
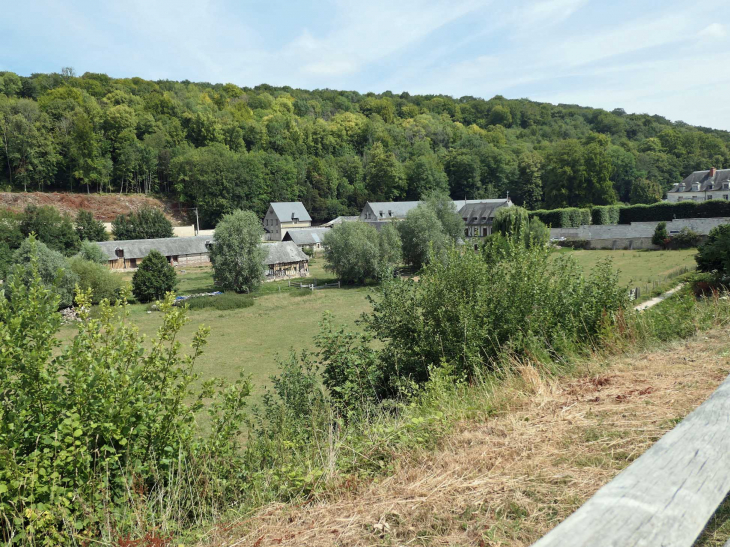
point(712, 172)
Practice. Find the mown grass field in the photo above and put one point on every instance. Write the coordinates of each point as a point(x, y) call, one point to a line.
point(282, 319)
point(651, 271)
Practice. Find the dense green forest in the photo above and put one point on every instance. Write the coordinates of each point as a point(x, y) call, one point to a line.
point(224, 147)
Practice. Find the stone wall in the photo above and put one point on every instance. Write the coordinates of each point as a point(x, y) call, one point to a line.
point(636, 235)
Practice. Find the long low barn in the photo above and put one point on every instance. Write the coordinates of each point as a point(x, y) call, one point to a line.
point(283, 259)
point(311, 238)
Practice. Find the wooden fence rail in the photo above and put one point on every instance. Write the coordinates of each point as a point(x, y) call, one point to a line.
point(667, 496)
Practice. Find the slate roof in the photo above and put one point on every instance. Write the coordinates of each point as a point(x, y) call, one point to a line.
point(707, 183)
point(167, 246)
point(306, 236)
point(284, 252)
point(399, 209)
point(286, 210)
point(481, 213)
point(340, 220)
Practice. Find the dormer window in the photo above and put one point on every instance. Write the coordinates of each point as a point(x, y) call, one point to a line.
point(381, 214)
point(390, 213)
point(726, 185)
point(474, 219)
point(484, 219)
point(696, 187)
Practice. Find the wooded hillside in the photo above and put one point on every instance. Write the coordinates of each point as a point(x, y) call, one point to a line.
point(224, 147)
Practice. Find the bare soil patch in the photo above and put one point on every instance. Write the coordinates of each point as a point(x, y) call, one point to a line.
point(105, 207)
point(509, 478)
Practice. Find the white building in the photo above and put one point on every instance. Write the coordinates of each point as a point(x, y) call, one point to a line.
point(702, 186)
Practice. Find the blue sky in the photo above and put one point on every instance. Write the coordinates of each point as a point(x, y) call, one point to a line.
point(662, 57)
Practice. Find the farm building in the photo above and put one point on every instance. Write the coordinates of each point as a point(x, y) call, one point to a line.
point(384, 211)
point(340, 220)
point(285, 259)
point(309, 238)
point(179, 251)
point(284, 216)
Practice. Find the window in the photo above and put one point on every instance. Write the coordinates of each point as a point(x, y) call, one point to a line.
point(484, 219)
point(474, 219)
point(390, 213)
point(466, 232)
point(725, 197)
point(694, 198)
point(381, 214)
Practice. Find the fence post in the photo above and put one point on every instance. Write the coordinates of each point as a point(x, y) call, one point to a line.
point(312, 287)
point(338, 283)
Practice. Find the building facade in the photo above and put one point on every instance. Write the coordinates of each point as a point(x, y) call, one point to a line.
point(477, 213)
point(702, 186)
point(179, 251)
point(285, 260)
point(284, 216)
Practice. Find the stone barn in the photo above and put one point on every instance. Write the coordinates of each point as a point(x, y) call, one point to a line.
point(179, 251)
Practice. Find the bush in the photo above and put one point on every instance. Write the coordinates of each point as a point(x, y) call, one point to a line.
point(88, 228)
point(511, 221)
point(55, 273)
point(685, 239)
point(147, 223)
point(237, 255)
point(472, 312)
point(226, 301)
point(570, 217)
point(713, 256)
point(660, 236)
point(92, 252)
point(51, 228)
point(538, 233)
point(154, 278)
point(97, 278)
point(96, 430)
point(583, 244)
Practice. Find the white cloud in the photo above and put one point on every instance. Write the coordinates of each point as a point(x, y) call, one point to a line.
point(714, 30)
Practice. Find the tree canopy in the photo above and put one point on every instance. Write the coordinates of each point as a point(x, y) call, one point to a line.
point(222, 147)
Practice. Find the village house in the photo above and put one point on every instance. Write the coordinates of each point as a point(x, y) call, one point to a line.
point(702, 186)
point(179, 251)
point(285, 260)
point(284, 216)
point(478, 217)
point(340, 220)
point(307, 238)
point(380, 211)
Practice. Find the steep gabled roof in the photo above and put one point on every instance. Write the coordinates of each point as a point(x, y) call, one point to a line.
point(340, 220)
point(392, 209)
point(286, 210)
point(283, 252)
point(306, 236)
point(167, 246)
point(475, 212)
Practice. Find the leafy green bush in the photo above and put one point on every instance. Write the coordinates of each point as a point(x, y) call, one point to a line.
point(713, 256)
point(471, 312)
point(660, 237)
point(685, 239)
point(154, 278)
point(225, 301)
point(96, 430)
point(583, 244)
point(92, 252)
point(423, 236)
point(570, 217)
point(356, 252)
point(513, 221)
point(51, 266)
point(90, 229)
point(147, 223)
point(94, 277)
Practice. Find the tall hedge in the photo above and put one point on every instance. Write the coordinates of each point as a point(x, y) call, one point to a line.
point(569, 217)
point(605, 215)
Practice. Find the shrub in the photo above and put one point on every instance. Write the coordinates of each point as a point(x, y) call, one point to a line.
point(147, 223)
point(511, 221)
point(570, 217)
point(713, 256)
point(88, 228)
point(538, 233)
point(584, 244)
point(447, 213)
point(154, 278)
point(685, 239)
point(660, 236)
point(472, 312)
point(390, 250)
point(51, 228)
point(97, 429)
point(351, 251)
point(237, 255)
point(97, 278)
point(226, 301)
point(92, 252)
point(50, 265)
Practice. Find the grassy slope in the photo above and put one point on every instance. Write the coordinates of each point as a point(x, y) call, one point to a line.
point(522, 459)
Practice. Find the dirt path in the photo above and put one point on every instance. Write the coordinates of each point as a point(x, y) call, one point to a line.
point(654, 301)
point(508, 479)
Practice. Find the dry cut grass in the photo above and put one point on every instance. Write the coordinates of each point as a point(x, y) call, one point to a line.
point(507, 479)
